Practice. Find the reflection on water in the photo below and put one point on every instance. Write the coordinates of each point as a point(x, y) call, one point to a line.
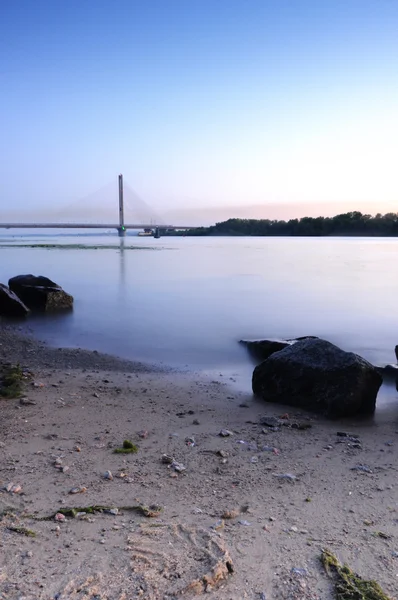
point(187, 301)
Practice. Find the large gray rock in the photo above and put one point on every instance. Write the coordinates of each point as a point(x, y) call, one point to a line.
point(10, 304)
point(316, 375)
point(262, 349)
point(40, 293)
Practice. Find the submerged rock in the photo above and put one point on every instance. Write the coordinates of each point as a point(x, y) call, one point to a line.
point(262, 349)
point(10, 304)
point(316, 375)
point(40, 293)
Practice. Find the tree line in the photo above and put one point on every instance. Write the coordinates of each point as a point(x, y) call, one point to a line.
point(350, 224)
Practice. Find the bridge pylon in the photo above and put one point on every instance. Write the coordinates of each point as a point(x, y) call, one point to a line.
point(121, 229)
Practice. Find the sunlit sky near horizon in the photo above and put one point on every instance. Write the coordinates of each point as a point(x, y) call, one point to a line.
point(277, 108)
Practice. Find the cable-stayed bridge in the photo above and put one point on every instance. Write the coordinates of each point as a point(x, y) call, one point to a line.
point(151, 223)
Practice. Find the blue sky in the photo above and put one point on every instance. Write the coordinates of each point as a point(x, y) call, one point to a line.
point(202, 104)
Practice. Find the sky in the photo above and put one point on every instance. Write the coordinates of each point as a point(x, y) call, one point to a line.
point(209, 108)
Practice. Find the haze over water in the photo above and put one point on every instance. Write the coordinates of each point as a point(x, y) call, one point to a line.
point(186, 302)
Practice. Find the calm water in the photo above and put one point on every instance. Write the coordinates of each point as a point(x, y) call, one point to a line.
point(187, 301)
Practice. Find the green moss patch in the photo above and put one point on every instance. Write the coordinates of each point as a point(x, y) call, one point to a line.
point(11, 378)
point(151, 511)
point(349, 585)
point(127, 448)
point(22, 531)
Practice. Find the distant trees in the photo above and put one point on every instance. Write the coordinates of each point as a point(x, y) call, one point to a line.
point(351, 223)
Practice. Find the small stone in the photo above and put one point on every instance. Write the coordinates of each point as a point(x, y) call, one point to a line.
point(230, 514)
point(143, 434)
point(218, 525)
point(223, 453)
point(26, 402)
point(102, 541)
point(225, 433)
point(179, 467)
point(60, 518)
point(294, 529)
point(108, 475)
point(95, 395)
point(78, 449)
point(78, 490)
point(196, 422)
point(65, 469)
point(166, 459)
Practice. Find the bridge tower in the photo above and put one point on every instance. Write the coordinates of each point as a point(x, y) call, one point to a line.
point(121, 229)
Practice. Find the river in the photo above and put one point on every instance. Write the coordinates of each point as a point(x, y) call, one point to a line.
point(186, 302)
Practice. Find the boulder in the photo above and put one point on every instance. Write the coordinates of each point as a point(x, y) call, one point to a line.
point(10, 304)
point(262, 349)
point(316, 375)
point(40, 293)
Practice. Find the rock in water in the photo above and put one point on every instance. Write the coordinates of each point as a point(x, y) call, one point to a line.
point(262, 349)
point(40, 293)
point(316, 375)
point(10, 304)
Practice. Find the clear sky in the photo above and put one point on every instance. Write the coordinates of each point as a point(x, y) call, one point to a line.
point(201, 104)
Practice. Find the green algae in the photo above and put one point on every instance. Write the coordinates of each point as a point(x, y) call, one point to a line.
point(349, 585)
point(22, 531)
point(151, 511)
point(11, 381)
point(127, 448)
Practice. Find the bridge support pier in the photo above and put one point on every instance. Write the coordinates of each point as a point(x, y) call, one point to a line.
point(121, 231)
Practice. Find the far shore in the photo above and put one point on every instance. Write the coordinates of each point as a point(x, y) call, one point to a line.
point(263, 501)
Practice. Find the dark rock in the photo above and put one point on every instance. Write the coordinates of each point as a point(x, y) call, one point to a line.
point(40, 293)
point(389, 372)
point(316, 375)
point(10, 304)
point(262, 349)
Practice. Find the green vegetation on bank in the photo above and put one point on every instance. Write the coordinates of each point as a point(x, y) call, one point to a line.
point(351, 223)
point(348, 585)
point(10, 381)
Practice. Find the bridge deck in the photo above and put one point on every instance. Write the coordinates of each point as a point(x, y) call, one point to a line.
point(88, 226)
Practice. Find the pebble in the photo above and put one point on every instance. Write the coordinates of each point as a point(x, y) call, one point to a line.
point(60, 518)
point(108, 475)
point(166, 459)
point(179, 467)
point(363, 468)
point(244, 522)
point(223, 453)
point(13, 488)
point(287, 476)
point(225, 433)
point(78, 490)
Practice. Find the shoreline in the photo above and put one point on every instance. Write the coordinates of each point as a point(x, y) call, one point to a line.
point(79, 406)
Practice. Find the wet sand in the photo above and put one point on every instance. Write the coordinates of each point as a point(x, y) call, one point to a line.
point(78, 407)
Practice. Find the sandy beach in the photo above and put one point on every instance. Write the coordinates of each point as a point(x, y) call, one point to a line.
point(240, 515)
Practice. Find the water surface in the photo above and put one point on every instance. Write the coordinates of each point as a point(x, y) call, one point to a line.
point(187, 301)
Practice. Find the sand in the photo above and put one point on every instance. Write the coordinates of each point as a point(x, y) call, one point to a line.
point(78, 406)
